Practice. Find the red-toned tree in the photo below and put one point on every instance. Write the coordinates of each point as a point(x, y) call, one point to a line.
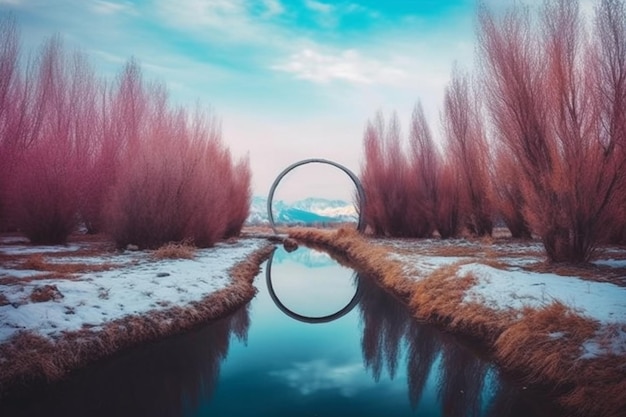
point(174, 179)
point(447, 200)
point(544, 90)
point(45, 190)
point(10, 82)
point(508, 197)
point(372, 171)
point(399, 190)
point(424, 166)
point(467, 146)
point(608, 52)
point(239, 197)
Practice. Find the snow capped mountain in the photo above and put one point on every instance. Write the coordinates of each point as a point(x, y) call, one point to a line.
point(308, 211)
point(310, 258)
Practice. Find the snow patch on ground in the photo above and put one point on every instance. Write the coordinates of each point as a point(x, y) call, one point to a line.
point(92, 299)
point(613, 263)
point(511, 287)
point(419, 266)
point(609, 340)
point(501, 289)
point(26, 249)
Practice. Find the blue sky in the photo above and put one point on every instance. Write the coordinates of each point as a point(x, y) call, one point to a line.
point(290, 79)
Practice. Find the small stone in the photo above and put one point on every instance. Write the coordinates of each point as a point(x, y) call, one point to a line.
point(132, 247)
point(163, 274)
point(290, 245)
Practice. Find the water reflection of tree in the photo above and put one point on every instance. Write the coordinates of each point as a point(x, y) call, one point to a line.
point(384, 326)
point(422, 350)
point(159, 379)
point(462, 379)
point(388, 328)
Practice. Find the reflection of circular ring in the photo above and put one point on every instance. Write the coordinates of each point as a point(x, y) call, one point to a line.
point(308, 319)
point(359, 188)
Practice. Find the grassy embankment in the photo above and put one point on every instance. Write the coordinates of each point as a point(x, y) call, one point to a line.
point(29, 359)
point(521, 342)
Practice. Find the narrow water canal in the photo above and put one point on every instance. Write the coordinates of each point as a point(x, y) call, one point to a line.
point(321, 341)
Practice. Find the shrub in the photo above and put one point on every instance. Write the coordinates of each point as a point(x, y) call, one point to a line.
point(119, 158)
point(10, 102)
point(46, 180)
point(174, 179)
point(508, 195)
point(466, 145)
point(447, 201)
point(239, 197)
point(424, 173)
point(399, 187)
point(556, 99)
point(172, 250)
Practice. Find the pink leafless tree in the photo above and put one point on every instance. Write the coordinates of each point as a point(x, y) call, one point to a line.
point(467, 144)
point(45, 191)
point(547, 92)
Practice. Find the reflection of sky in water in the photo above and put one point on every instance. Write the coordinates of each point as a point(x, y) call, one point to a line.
point(311, 291)
point(374, 361)
point(292, 368)
point(304, 257)
point(318, 375)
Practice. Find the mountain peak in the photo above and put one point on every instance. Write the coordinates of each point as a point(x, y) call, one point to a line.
point(307, 211)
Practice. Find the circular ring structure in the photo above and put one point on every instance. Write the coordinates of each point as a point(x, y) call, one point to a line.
point(353, 177)
point(308, 319)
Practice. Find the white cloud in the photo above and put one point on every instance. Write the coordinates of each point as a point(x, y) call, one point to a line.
point(109, 7)
point(223, 21)
point(317, 375)
point(347, 65)
point(109, 57)
point(317, 6)
point(273, 8)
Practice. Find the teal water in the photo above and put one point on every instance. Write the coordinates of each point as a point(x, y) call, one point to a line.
point(373, 359)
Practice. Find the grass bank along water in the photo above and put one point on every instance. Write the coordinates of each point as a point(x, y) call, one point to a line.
point(561, 334)
point(92, 314)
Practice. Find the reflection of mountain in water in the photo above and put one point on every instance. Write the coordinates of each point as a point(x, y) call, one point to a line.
point(304, 256)
point(159, 379)
point(464, 380)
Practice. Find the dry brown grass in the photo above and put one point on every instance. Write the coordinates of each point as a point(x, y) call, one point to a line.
point(542, 347)
point(174, 250)
point(45, 293)
point(477, 248)
point(535, 343)
point(12, 280)
point(29, 359)
point(37, 262)
point(440, 298)
point(34, 262)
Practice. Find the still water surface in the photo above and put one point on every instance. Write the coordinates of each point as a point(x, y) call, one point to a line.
point(324, 342)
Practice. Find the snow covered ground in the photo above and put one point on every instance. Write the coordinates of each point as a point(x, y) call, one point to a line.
point(136, 284)
point(506, 278)
point(514, 284)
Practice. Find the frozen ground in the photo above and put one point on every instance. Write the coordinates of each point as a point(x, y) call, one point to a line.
point(514, 283)
point(135, 285)
point(506, 275)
